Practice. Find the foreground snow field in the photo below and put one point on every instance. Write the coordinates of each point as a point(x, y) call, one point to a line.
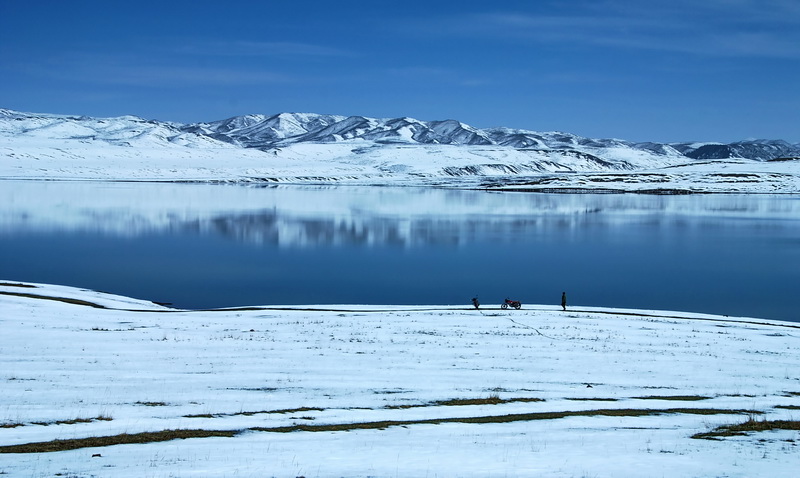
point(388, 391)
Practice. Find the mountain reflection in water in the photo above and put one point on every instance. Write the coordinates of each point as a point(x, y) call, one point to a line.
point(200, 245)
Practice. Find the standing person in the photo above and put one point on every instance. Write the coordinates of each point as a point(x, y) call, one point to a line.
point(564, 300)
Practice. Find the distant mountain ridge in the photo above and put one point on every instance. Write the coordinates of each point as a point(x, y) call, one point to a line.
point(759, 150)
point(259, 131)
point(266, 133)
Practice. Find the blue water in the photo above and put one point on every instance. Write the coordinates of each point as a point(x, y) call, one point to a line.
point(731, 255)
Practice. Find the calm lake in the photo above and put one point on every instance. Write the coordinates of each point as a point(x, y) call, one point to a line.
point(209, 246)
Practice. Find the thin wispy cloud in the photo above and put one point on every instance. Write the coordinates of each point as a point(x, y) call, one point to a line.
point(263, 49)
point(116, 70)
point(725, 28)
point(158, 75)
point(436, 76)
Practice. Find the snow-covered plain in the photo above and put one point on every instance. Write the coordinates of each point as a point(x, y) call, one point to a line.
point(415, 391)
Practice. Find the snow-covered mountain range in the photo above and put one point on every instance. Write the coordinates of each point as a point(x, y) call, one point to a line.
point(259, 131)
point(323, 148)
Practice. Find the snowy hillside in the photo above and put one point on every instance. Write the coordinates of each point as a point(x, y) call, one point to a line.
point(286, 128)
point(761, 150)
point(313, 148)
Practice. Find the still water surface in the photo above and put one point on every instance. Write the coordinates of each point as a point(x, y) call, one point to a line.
point(204, 246)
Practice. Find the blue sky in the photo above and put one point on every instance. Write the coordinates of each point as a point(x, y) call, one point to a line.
point(660, 70)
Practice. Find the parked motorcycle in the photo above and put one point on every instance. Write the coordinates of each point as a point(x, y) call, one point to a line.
point(513, 303)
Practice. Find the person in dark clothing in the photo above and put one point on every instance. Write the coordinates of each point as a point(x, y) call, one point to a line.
point(564, 300)
point(475, 302)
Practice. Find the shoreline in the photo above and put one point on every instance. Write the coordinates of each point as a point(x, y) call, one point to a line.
point(115, 302)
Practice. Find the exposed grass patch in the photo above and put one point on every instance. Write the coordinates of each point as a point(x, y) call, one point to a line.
point(284, 411)
point(627, 412)
point(388, 392)
point(167, 435)
point(151, 404)
point(75, 421)
point(593, 399)
point(493, 400)
point(750, 426)
point(678, 398)
point(249, 414)
point(458, 402)
point(788, 407)
point(66, 300)
point(123, 439)
point(72, 421)
point(10, 284)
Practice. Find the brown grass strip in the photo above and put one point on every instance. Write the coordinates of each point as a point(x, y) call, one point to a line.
point(679, 398)
point(250, 414)
point(518, 417)
point(750, 426)
point(10, 284)
point(166, 435)
point(494, 400)
point(124, 439)
point(66, 300)
point(457, 402)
